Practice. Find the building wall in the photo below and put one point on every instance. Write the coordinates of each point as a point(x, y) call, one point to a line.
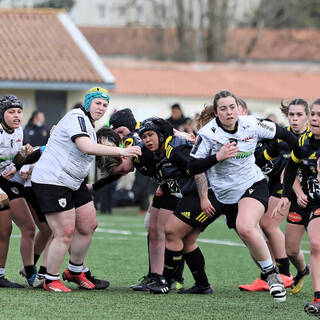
point(29, 105)
point(148, 106)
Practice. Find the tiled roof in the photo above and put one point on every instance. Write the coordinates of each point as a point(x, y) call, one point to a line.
point(35, 46)
point(250, 81)
point(144, 42)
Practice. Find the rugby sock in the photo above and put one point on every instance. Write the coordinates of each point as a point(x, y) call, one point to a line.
point(36, 258)
point(196, 264)
point(267, 266)
point(42, 270)
point(51, 277)
point(317, 294)
point(178, 273)
point(30, 271)
point(2, 271)
point(284, 266)
point(171, 261)
point(75, 269)
point(86, 269)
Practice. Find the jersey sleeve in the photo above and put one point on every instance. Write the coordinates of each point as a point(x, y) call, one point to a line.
point(76, 127)
point(202, 147)
point(265, 129)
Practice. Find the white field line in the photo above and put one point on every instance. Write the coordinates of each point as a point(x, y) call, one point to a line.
point(213, 241)
point(133, 236)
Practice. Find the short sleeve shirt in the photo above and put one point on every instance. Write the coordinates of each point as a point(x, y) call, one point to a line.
point(230, 178)
point(62, 162)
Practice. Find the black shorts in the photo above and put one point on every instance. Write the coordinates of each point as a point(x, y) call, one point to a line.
point(166, 201)
point(52, 198)
point(297, 214)
point(314, 213)
point(32, 200)
point(275, 187)
point(258, 191)
point(13, 190)
point(189, 211)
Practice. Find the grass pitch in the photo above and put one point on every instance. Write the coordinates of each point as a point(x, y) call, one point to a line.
point(118, 253)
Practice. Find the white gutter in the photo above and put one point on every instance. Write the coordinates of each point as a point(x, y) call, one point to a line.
point(87, 49)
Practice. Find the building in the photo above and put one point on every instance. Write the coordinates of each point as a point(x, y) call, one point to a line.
point(47, 62)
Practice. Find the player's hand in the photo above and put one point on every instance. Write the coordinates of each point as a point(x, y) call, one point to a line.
point(302, 199)
point(4, 200)
point(25, 173)
point(282, 208)
point(89, 186)
point(130, 151)
point(228, 150)
point(26, 150)
point(9, 173)
point(207, 207)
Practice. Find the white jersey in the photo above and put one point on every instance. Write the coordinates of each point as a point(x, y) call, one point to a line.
point(230, 178)
point(62, 162)
point(10, 145)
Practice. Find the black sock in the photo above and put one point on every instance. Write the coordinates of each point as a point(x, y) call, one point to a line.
point(284, 266)
point(149, 272)
point(317, 294)
point(30, 270)
point(36, 258)
point(178, 273)
point(42, 270)
point(196, 264)
point(171, 261)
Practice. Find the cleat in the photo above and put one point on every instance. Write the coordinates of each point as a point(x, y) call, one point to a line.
point(313, 309)
point(197, 289)
point(158, 285)
point(277, 289)
point(177, 285)
point(5, 283)
point(38, 282)
point(298, 280)
point(55, 286)
point(98, 283)
point(256, 285)
point(79, 279)
point(287, 280)
point(30, 281)
point(142, 284)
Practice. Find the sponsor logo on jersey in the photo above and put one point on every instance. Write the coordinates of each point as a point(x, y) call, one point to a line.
point(242, 155)
point(19, 140)
point(248, 138)
point(186, 214)
point(316, 212)
point(15, 190)
point(62, 202)
point(294, 217)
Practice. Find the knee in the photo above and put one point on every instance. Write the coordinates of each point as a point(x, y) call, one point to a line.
point(292, 251)
point(88, 228)
point(170, 234)
point(244, 232)
point(66, 236)
point(314, 248)
point(29, 230)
